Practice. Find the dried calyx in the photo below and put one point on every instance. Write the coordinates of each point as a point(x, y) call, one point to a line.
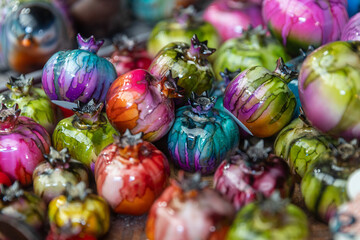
point(295, 63)
point(88, 115)
point(57, 157)
point(284, 71)
point(201, 104)
point(346, 151)
point(255, 35)
point(76, 192)
point(128, 139)
point(20, 86)
point(11, 193)
point(228, 75)
point(170, 88)
point(124, 43)
point(199, 50)
point(89, 44)
point(9, 116)
point(186, 16)
point(190, 182)
point(273, 205)
point(257, 153)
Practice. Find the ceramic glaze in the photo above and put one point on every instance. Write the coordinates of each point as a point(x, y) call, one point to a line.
point(242, 177)
point(23, 144)
point(32, 101)
point(261, 99)
point(130, 174)
point(22, 205)
point(31, 32)
point(231, 18)
point(78, 75)
point(329, 89)
point(84, 134)
point(181, 29)
point(202, 137)
point(253, 48)
point(187, 62)
point(351, 31)
point(270, 219)
point(141, 103)
point(51, 176)
point(78, 213)
point(324, 184)
point(301, 145)
point(169, 217)
point(301, 23)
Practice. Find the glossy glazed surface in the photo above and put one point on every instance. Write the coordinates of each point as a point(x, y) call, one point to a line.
point(261, 100)
point(240, 181)
point(78, 74)
point(300, 23)
point(351, 31)
point(85, 140)
point(199, 142)
point(300, 145)
point(23, 143)
point(168, 31)
point(32, 101)
point(135, 101)
point(254, 48)
point(329, 89)
point(231, 19)
point(51, 176)
point(31, 32)
point(324, 184)
point(24, 206)
point(131, 177)
point(90, 216)
point(252, 222)
point(195, 72)
point(169, 216)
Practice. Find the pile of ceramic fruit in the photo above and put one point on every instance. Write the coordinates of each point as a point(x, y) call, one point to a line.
point(286, 74)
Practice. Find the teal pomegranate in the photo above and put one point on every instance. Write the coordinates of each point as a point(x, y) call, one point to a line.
point(85, 134)
point(32, 101)
point(254, 48)
point(300, 145)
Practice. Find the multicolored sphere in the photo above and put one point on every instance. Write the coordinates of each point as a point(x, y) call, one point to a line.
point(242, 177)
point(301, 23)
point(351, 31)
point(329, 89)
point(231, 18)
point(202, 137)
point(324, 184)
point(301, 145)
point(261, 99)
point(181, 29)
point(84, 134)
point(270, 219)
point(253, 48)
point(23, 143)
point(32, 101)
point(78, 75)
point(78, 213)
point(31, 32)
point(51, 176)
point(130, 174)
point(188, 210)
point(188, 63)
point(140, 102)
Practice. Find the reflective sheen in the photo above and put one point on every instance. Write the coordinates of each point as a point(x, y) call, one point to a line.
point(351, 31)
point(130, 174)
point(329, 89)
